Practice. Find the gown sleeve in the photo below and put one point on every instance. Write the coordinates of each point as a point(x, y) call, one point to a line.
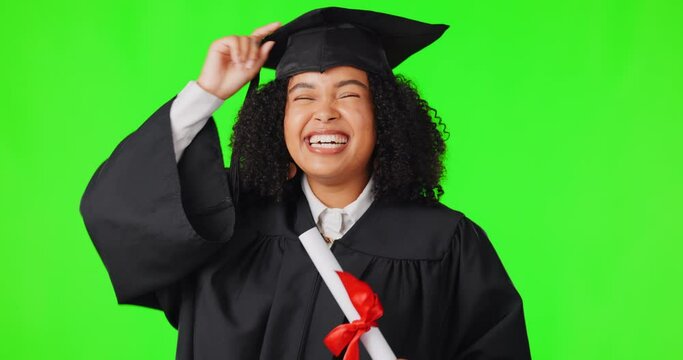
point(154, 221)
point(487, 316)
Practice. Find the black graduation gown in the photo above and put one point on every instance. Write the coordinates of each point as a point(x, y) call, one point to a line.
point(237, 284)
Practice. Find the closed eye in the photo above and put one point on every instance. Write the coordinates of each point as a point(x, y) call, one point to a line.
point(349, 95)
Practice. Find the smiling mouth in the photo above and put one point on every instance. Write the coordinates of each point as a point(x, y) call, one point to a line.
point(328, 141)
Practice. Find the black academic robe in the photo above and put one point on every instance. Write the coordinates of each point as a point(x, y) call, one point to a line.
point(237, 284)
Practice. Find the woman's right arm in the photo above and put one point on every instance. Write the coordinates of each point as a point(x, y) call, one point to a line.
point(160, 205)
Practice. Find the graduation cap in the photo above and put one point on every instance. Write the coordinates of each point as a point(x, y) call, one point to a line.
point(323, 38)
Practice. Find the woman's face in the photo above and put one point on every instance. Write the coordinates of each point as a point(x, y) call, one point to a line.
point(329, 123)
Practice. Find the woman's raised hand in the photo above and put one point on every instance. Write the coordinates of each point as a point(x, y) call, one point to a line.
point(233, 61)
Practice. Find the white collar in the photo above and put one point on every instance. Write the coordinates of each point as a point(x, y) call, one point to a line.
point(354, 210)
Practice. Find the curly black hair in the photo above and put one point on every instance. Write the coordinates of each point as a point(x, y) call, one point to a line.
point(407, 161)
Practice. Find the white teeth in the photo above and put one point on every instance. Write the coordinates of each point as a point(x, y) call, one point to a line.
point(326, 145)
point(328, 139)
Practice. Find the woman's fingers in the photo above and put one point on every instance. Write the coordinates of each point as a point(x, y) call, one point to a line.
point(264, 30)
point(257, 52)
point(248, 50)
point(244, 49)
point(265, 50)
point(261, 55)
point(252, 56)
point(228, 45)
point(233, 60)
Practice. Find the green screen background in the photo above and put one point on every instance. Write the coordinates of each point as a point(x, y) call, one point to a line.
point(565, 146)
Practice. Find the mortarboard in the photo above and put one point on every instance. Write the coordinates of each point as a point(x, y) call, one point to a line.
point(323, 38)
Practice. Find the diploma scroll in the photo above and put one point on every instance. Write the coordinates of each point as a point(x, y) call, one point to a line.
point(327, 266)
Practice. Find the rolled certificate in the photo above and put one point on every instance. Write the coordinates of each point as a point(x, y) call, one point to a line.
point(327, 266)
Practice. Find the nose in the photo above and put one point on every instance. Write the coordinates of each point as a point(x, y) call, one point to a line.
point(326, 113)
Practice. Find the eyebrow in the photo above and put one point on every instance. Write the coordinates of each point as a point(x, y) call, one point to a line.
point(301, 85)
point(350, 82)
point(305, 85)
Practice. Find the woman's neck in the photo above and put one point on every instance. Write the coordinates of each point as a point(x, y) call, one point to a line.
point(338, 195)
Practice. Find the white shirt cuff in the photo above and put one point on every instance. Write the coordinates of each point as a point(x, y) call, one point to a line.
point(190, 111)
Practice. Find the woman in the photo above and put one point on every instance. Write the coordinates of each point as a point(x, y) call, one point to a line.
point(336, 141)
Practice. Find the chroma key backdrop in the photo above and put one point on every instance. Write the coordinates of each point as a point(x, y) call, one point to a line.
point(565, 121)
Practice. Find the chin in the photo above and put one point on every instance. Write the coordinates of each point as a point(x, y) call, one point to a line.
point(331, 170)
point(327, 174)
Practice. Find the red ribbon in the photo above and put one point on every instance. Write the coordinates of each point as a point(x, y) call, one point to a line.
point(369, 308)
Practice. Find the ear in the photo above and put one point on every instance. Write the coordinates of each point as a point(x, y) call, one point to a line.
point(292, 171)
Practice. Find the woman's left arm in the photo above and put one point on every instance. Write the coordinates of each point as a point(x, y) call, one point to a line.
point(486, 317)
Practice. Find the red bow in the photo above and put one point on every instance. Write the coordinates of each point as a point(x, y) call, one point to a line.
point(367, 304)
